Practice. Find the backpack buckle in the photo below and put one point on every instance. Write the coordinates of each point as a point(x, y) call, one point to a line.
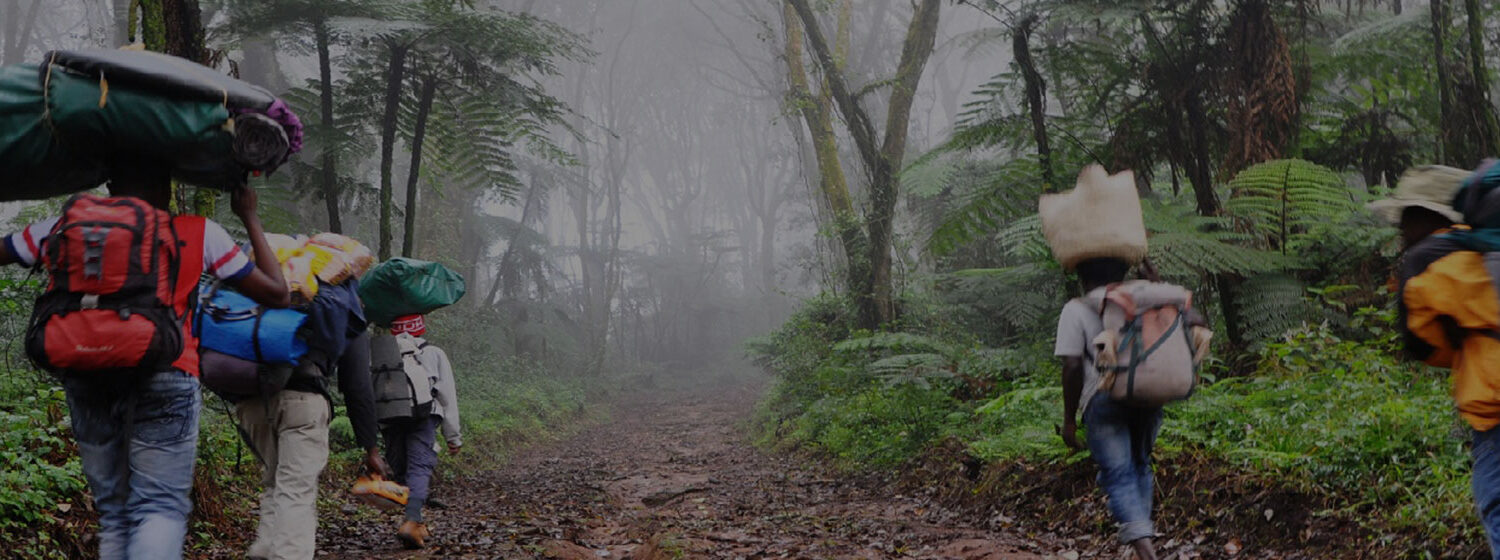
point(89, 301)
point(93, 252)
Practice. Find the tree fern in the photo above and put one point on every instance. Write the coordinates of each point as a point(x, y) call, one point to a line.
point(1270, 304)
point(1184, 245)
point(1280, 202)
point(1007, 192)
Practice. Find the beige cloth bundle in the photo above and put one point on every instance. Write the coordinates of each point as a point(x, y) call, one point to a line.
point(1101, 217)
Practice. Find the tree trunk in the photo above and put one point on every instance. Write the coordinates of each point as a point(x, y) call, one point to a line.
point(394, 78)
point(329, 169)
point(183, 21)
point(817, 114)
point(1200, 172)
point(1036, 92)
point(184, 37)
point(875, 297)
point(1445, 89)
point(505, 272)
point(424, 106)
point(1488, 136)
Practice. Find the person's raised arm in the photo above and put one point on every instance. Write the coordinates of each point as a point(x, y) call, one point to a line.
point(264, 283)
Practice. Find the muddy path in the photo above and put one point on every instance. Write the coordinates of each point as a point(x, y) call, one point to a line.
point(673, 476)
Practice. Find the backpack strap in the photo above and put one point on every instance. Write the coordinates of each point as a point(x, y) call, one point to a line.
point(189, 231)
point(188, 268)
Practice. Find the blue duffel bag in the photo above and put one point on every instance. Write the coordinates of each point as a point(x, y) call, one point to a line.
point(230, 323)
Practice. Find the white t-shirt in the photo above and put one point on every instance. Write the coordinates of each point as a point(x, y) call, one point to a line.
point(221, 257)
point(1077, 326)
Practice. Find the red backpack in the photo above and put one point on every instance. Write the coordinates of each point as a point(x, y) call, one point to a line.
point(120, 273)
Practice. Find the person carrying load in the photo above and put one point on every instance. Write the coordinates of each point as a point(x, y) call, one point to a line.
point(276, 367)
point(414, 385)
point(1127, 348)
point(114, 322)
point(416, 396)
point(114, 325)
point(1449, 307)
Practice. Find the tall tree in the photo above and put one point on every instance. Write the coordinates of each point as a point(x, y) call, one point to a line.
point(817, 114)
point(395, 52)
point(292, 21)
point(1036, 97)
point(882, 158)
point(1485, 120)
point(1261, 87)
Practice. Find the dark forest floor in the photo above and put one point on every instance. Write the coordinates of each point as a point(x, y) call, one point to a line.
point(673, 476)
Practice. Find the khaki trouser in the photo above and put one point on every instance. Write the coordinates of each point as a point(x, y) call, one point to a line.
point(289, 432)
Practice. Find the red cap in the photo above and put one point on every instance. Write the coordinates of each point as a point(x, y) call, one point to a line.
point(413, 325)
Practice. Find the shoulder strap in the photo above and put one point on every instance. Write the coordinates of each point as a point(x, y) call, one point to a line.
point(189, 232)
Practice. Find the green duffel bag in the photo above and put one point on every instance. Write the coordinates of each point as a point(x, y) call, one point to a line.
point(403, 286)
point(62, 121)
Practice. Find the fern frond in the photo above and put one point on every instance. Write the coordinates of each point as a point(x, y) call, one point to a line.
point(1281, 201)
point(1270, 304)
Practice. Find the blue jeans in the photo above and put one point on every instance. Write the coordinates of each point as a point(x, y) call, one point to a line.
point(137, 442)
point(1120, 438)
point(409, 453)
point(1486, 480)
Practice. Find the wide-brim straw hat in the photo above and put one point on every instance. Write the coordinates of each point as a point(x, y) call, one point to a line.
point(1429, 186)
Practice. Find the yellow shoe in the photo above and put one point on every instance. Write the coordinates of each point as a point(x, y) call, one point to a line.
point(413, 535)
point(380, 493)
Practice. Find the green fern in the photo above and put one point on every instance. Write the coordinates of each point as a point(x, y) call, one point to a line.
point(1280, 202)
point(1006, 193)
point(893, 343)
point(1185, 245)
point(1270, 304)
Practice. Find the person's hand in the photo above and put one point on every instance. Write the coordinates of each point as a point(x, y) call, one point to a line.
point(454, 449)
point(1069, 433)
point(243, 201)
point(374, 464)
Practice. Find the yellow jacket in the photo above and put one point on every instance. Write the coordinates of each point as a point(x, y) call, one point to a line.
point(1453, 305)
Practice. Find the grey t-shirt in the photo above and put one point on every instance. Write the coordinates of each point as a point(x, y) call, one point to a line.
point(1077, 326)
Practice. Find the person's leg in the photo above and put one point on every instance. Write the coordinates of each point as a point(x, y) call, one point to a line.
point(1144, 425)
point(257, 420)
point(163, 448)
point(1109, 439)
point(1486, 483)
point(302, 439)
point(421, 459)
point(96, 415)
point(394, 435)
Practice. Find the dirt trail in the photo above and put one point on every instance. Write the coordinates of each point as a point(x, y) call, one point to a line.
point(673, 477)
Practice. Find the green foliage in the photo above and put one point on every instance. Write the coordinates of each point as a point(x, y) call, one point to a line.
point(1328, 410)
point(1283, 203)
point(40, 477)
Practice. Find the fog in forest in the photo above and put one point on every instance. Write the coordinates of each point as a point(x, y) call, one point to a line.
point(669, 188)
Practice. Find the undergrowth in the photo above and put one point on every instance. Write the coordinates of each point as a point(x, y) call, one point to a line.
point(1327, 411)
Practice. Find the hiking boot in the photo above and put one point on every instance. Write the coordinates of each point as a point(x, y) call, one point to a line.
point(413, 534)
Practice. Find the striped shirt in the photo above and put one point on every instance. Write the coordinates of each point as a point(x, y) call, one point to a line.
point(221, 256)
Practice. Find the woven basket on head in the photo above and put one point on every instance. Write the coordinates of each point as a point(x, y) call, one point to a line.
point(1100, 218)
